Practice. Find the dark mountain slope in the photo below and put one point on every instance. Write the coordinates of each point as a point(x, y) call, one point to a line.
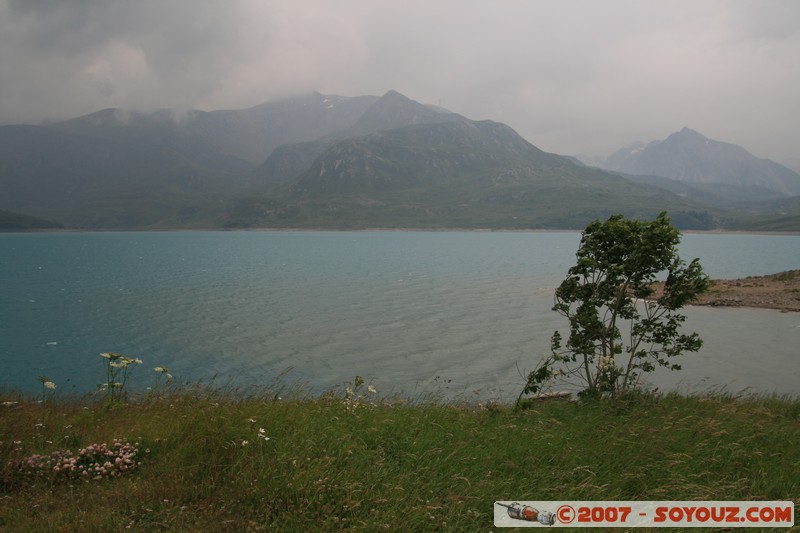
point(111, 176)
point(10, 221)
point(115, 168)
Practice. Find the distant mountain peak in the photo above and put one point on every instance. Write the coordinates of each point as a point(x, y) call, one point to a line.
point(394, 110)
point(391, 93)
point(104, 117)
point(689, 156)
point(689, 134)
point(394, 99)
point(687, 130)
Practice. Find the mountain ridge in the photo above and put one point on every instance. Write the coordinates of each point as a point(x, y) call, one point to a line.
point(249, 134)
point(390, 111)
point(689, 156)
point(313, 161)
point(452, 172)
point(10, 221)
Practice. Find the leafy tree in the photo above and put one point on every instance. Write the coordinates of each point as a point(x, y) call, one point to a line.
point(620, 325)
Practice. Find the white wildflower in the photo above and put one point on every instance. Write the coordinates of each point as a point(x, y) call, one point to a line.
point(50, 385)
point(606, 363)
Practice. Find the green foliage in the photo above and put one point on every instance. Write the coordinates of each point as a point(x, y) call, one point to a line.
point(609, 293)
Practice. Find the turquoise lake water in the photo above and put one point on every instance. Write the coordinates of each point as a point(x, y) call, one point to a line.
point(456, 313)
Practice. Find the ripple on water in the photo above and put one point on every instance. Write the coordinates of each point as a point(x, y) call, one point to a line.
point(399, 308)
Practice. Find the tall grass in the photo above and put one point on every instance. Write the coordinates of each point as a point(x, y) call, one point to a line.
point(326, 463)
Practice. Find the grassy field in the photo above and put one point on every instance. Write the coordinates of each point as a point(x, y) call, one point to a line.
point(212, 461)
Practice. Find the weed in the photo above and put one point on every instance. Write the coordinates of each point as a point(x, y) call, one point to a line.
point(314, 463)
point(118, 369)
point(48, 388)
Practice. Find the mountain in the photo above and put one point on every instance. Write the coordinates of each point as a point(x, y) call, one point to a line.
point(447, 154)
point(448, 171)
point(690, 157)
point(254, 133)
point(617, 160)
point(112, 174)
point(775, 215)
point(10, 221)
point(392, 110)
point(117, 168)
point(249, 134)
point(310, 161)
point(792, 163)
point(715, 194)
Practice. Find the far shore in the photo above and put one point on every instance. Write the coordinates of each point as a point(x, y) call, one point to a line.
point(366, 230)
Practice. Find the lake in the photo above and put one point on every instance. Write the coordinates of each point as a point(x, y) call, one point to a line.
point(452, 313)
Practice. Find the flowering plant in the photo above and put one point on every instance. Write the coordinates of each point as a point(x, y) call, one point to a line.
point(353, 397)
point(118, 369)
point(161, 372)
point(48, 388)
point(95, 462)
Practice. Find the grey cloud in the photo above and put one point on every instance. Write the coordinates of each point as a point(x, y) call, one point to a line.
point(571, 76)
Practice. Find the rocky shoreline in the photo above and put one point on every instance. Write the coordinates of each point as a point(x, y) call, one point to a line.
point(776, 291)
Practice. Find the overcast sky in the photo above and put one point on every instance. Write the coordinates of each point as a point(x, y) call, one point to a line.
point(570, 76)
